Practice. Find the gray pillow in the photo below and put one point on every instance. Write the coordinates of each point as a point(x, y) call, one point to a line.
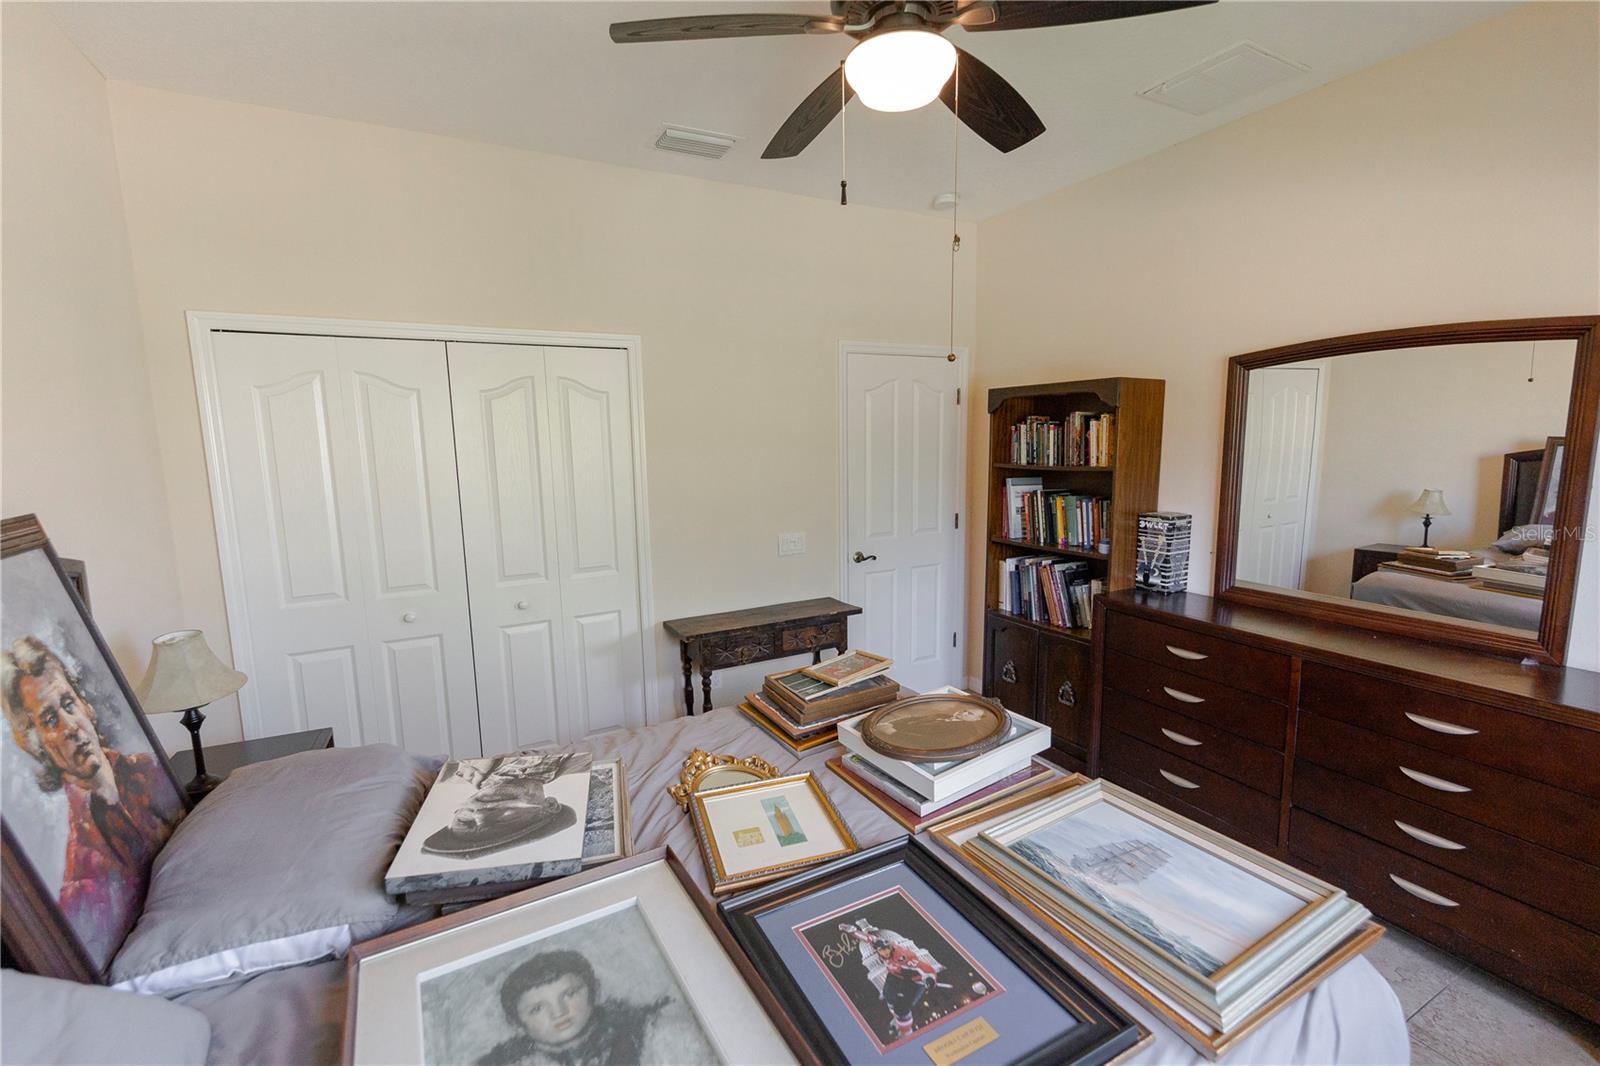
point(1519, 539)
point(282, 864)
point(50, 1021)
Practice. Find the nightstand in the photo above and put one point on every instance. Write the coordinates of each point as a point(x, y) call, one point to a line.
point(1368, 556)
point(224, 759)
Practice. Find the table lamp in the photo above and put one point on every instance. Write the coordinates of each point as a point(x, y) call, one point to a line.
point(185, 675)
point(1430, 503)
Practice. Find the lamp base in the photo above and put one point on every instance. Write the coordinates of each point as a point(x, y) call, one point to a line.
point(200, 786)
point(202, 783)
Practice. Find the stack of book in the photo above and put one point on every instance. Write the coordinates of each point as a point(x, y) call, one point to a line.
point(1162, 562)
point(1447, 564)
point(802, 708)
point(1081, 440)
point(1043, 588)
point(1057, 519)
point(1517, 579)
point(922, 794)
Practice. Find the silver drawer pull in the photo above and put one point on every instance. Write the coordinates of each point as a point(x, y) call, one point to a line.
point(1182, 696)
point(1181, 782)
point(1180, 738)
point(1422, 893)
point(1426, 837)
point(1437, 783)
point(1185, 653)
point(1448, 728)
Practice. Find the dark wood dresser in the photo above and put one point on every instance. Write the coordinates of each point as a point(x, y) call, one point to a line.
point(1456, 794)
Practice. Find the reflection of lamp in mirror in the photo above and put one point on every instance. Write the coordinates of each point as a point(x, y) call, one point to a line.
point(1430, 503)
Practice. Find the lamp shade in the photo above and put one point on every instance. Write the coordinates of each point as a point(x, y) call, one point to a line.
point(184, 672)
point(1430, 502)
point(900, 70)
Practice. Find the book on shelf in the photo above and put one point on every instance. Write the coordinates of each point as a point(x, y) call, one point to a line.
point(1081, 439)
point(1043, 588)
point(1057, 519)
point(1017, 490)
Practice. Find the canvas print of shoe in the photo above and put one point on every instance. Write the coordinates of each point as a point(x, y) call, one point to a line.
point(1202, 911)
point(598, 992)
point(784, 824)
point(896, 968)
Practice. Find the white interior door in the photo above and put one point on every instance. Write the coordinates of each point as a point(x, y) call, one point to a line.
point(545, 456)
point(902, 491)
point(1275, 490)
point(341, 483)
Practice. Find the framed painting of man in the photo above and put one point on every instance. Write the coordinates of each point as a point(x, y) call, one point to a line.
point(88, 795)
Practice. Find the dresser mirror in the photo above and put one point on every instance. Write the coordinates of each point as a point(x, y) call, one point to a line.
point(1428, 481)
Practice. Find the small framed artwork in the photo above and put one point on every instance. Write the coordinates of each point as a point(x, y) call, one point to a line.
point(758, 832)
point(607, 830)
point(885, 956)
point(1549, 490)
point(854, 665)
point(89, 798)
point(622, 964)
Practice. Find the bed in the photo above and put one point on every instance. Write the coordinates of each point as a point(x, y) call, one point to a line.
point(1523, 490)
point(295, 1015)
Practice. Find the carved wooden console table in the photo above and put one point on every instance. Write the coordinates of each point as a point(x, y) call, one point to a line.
point(734, 638)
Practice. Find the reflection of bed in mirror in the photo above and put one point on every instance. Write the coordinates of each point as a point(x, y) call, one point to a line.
point(1519, 488)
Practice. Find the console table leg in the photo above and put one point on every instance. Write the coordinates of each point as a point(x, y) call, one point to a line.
point(816, 655)
point(688, 678)
point(705, 687)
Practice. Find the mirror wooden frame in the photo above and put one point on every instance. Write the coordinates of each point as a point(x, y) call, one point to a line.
point(1549, 643)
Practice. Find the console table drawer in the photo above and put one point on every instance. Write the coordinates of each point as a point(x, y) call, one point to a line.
point(1228, 708)
point(1564, 821)
point(1243, 809)
point(1395, 884)
point(1557, 754)
point(810, 638)
point(1195, 740)
point(1265, 673)
point(1546, 879)
point(736, 649)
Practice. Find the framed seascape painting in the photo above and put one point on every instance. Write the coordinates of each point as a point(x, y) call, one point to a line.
point(625, 964)
point(89, 798)
point(757, 832)
point(886, 957)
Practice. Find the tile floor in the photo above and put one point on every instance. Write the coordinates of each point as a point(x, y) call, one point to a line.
point(1460, 1016)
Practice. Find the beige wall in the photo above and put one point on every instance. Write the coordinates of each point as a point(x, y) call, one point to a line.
point(741, 297)
point(1397, 422)
point(1458, 182)
point(80, 435)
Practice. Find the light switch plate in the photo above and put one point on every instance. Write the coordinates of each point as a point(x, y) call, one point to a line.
point(791, 543)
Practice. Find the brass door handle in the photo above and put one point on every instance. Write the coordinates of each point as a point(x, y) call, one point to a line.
point(859, 558)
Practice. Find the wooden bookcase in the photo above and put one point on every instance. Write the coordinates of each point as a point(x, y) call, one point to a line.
point(1035, 668)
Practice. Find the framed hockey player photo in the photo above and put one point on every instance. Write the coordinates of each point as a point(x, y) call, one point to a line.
point(886, 956)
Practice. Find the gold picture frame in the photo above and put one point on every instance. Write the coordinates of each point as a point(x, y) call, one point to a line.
point(701, 770)
point(740, 817)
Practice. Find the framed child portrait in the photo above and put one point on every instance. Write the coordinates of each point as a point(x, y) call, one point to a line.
point(89, 797)
point(625, 963)
point(885, 956)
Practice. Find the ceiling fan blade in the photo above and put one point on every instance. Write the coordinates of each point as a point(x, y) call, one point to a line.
point(990, 107)
point(1033, 14)
point(811, 117)
point(711, 27)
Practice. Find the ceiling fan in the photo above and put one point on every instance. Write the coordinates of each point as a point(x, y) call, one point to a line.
point(901, 59)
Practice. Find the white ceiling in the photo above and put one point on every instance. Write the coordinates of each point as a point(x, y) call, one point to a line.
point(545, 76)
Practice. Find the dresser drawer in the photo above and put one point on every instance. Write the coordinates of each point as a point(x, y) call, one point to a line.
point(1564, 821)
point(1557, 754)
point(1228, 708)
point(1373, 874)
point(1242, 810)
point(1546, 879)
point(1265, 673)
point(1195, 740)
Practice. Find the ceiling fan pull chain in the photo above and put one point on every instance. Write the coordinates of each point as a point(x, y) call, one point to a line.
point(844, 172)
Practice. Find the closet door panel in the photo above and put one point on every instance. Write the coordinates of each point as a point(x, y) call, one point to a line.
point(498, 393)
point(596, 531)
point(304, 616)
point(397, 396)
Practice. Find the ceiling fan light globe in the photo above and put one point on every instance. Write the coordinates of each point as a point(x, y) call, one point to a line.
point(900, 70)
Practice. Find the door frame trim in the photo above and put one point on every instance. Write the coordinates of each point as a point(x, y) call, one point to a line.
point(964, 371)
point(201, 326)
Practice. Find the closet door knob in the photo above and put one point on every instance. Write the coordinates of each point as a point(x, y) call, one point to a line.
point(409, 616)
point(521, 605)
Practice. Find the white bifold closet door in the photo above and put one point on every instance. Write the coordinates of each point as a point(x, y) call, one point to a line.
point(544, 449)
point(342, 483)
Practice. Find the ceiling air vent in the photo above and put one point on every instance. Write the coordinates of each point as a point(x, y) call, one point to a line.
point(1231, 75)
point(703, 143)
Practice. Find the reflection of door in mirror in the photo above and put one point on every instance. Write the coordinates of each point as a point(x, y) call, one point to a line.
point(1280, 452)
